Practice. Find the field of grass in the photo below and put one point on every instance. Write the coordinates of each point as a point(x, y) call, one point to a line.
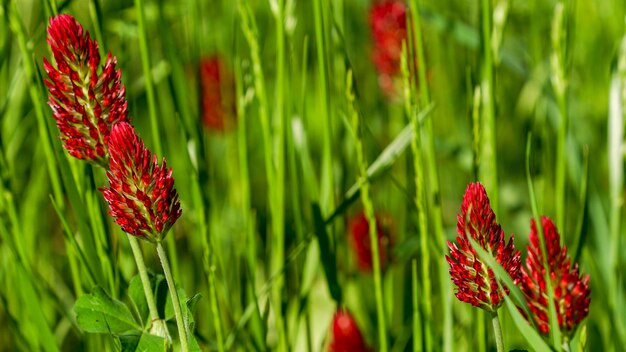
point(289, 127)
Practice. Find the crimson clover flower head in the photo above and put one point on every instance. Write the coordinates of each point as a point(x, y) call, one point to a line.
point(86, 98)
point(217, 93)
point(346, 336)
point(361, 244)
point(475, 281)
point(387, 21)
point(141, 193)
point(572, 294)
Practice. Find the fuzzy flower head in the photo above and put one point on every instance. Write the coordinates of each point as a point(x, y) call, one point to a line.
point(217, 94)
point(571, 289)
point(361, 244)
point(475, 281)
point(86, 98)
point(346, 336)
point(387, 21)
point(141, 196)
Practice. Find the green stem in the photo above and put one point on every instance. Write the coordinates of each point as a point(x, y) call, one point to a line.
point(497, 330)
point(433, 173)
point(178, 313)
point(278, 140)
point(369, 214)
point(419, 199)
point(417, 327)
point(150, 95)
point(147, 288)
point(147, 76)
point(327, 183)
point(559, 83)
point(489, 168)
point(213, 298)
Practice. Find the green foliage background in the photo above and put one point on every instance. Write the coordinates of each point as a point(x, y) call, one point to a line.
point(40, 269)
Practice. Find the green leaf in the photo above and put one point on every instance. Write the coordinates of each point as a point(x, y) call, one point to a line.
point(531, 335)
point(188, 308)
point(327, 255)
point(142, 342)
point(99, 313)
point(138, 298)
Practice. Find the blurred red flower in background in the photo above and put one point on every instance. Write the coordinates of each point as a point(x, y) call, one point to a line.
point(388, 25)
point(217, 92)
point(85, 103)
point(360, 242)
point(571, 290)
point(346, 336)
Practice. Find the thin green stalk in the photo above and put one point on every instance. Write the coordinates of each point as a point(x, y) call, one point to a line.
point(244, 169)
point(147, 76)
point(488, 172)
point(157, 325)
point(152, 110)
point(497, 330)
point(417, 326)
point(215, 313)
point(418, 169)
point(559, 83)
point(275, 191)
point(369, 214)
point(94, 13)
point(433, 172)
point(481, 330)
point(36, 98)
point(327, 182)
point(178, 313)
point(278, 140)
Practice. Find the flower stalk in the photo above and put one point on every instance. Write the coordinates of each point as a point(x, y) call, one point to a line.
point(178, 312)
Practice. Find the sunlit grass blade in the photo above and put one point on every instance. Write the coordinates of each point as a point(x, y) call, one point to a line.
point(517, 301)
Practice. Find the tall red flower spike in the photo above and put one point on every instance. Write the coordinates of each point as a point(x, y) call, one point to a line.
point(475, 281)
point(361, 244)
point(141, 196)
point(571, 290)
point(217, 94)
point(346, 334)
point(86, 99)
point(388, 25)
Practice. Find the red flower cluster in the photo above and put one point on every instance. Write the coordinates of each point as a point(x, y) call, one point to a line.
point(388, 25)
point(141, 196)
point(475, 281)
point(86, 99)
point(571, 290)
point(360, 241)
point(346, 334)
point(217, 94)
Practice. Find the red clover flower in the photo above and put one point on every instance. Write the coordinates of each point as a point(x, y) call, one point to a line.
point(141, 196)
point(360, 241)
point(388, 25)
point(346, 334)
point(217, 94)
point(86, 99)
point(475, 281)
point(571, 289)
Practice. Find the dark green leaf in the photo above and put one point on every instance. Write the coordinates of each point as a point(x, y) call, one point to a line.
point(138, 298)
point(327, 255)
point(98, 312)
point(142, 342)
